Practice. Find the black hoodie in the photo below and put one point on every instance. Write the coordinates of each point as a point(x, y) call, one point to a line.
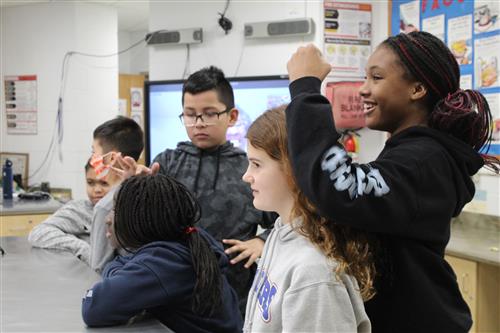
point(407, 196)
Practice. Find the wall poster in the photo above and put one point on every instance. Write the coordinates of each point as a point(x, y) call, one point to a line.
point(348, 36)
point(21, 104)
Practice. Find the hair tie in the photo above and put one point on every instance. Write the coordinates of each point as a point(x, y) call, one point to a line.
point(190, 230)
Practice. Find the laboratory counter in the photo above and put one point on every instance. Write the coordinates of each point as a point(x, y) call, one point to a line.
point(41, 291)
point(24, 207)
point(475, 237)
point(18, 217)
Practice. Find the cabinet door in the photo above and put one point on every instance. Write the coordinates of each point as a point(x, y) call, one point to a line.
point(466, 272)
point(488, 298)
point(19, 225)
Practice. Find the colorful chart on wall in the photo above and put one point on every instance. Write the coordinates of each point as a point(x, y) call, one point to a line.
point(471, 29)
point(347, 37)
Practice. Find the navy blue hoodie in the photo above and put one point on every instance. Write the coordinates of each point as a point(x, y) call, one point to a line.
point(226, 201)
point(407, 197)
point(159, 278)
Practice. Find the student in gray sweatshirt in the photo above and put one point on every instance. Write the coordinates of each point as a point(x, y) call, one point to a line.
point(68, 228)
point(312, 276)
point(113, 139)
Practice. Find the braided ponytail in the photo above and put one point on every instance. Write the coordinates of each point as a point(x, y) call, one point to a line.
point(159, 208)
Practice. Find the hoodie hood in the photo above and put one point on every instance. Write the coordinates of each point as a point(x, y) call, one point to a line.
point(285, 231)
point(467, 160)
point(225, 150)
point(183, 251)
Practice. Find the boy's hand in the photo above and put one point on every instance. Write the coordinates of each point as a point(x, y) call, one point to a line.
point(307, 61)
point(251, 249)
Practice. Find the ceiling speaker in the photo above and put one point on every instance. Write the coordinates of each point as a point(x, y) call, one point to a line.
point(175, 37)
point(285, 28)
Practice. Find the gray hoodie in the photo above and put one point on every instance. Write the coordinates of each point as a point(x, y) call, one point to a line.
point(226, 201)
point(296, 289)
point(101, 249)
point(67, 229)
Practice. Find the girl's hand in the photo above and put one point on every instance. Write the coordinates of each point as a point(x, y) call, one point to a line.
point(307, 61)
point(129, 167)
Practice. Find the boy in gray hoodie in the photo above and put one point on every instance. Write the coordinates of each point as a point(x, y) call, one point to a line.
point(113, 139)
point(211, 168)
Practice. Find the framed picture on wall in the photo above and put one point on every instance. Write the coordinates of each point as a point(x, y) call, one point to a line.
point(20, 165)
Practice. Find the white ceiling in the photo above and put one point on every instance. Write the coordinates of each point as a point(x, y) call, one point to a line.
point(133, 15)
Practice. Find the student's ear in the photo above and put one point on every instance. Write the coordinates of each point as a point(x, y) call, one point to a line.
point(419, 91)
point(233, 116)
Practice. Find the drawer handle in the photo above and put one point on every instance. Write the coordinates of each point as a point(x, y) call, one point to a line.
point(465, 284)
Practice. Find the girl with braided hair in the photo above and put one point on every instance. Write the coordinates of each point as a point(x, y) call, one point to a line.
point(420, 180)
point(174, 271)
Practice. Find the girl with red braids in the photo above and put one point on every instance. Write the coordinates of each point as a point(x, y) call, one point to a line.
point(420, 180)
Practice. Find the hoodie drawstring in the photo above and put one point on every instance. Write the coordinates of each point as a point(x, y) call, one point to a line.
point(217, 169)
point(198, 171)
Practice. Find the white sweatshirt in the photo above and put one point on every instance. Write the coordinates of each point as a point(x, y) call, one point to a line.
point(296, 289)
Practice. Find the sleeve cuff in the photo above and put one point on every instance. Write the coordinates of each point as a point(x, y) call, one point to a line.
point(309, 84)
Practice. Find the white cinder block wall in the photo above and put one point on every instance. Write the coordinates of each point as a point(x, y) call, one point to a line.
point(34, 40)
point(136, 60)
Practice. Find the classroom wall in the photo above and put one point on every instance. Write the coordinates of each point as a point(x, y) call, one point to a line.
point(239, 57)
point(34, 40)
point(135, 61)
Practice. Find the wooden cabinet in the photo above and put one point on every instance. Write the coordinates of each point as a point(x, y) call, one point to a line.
point(479, 284)
point(125, 83)
point(19, 225)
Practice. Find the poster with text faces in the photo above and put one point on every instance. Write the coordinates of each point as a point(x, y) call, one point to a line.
point(486, 15)
point(486, 62)
point(435, 25)
point(348, 35)
point(494, 103)
point(137, 105)
point(409, 16)
point(460, 38)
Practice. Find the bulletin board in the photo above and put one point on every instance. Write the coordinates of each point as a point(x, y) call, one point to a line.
point(471, 29)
